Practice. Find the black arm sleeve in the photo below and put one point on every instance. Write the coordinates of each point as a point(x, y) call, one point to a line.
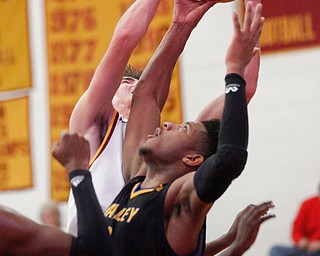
point(215, 175)
point(93, 238)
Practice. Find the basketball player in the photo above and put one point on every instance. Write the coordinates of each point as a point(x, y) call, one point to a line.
point(102, 119)
point(102, 123)
point(172, 196)
point(42, 238)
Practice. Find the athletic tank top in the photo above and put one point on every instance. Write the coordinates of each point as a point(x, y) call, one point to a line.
point(136, 222)
point(106, 170)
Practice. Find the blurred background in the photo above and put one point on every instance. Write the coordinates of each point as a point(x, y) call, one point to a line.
point(36, 99)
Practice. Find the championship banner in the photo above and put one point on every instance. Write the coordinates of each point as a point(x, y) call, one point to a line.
point(15, 161)
point(78, 33)
point(15, 70)
point(290, 24)
point(172, 110)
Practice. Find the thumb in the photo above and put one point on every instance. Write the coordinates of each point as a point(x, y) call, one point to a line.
point(256, 50)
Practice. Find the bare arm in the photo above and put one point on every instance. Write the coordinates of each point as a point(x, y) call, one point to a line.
point(153, 87)
point(248, 229)
point(21, 236)
point(215, 108)
point(194, 193)
point(96, 102)
point(217, 245)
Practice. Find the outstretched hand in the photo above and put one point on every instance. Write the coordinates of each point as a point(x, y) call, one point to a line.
point(249, 224)
point(242, 47)
point(72, 151)
point(232, 233)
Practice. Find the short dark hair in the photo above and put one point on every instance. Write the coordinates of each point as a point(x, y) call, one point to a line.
point(209, 141)
point(132, 72)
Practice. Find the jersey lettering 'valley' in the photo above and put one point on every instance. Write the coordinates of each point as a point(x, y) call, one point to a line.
point(121, 215)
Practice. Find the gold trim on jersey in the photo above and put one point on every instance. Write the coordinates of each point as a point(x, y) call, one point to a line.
point(107, 137)
point(135, 193)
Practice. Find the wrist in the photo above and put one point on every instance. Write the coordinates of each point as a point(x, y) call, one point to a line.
point(182, 26)
point(228, 238)
point(80, 166)
point(236, 249)
point(77, 176)
point(236, 69)
point(77, 172)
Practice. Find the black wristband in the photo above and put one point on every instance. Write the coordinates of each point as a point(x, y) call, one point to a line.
point(78, 172)
point(236, 78)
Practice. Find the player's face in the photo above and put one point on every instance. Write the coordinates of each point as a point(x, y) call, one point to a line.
point(172, 142)
point(123, 97)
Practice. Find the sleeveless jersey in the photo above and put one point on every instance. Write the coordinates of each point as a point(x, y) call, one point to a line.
point(136, 222)
point(106, 170)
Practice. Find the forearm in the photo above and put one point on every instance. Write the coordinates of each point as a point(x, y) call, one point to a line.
point(22, 236)
point(251, 75)
point(93, 238)
point(234, 123)
point(233, 250)
point(134, 23)
point(217, 245)
point(156, 77)
point(129, 31)
point(215, 175)
point(151, 94)
point(251, 72)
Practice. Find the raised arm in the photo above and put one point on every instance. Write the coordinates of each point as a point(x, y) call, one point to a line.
point(96, 103)
point(233, 134)
point(153, 87)
point(200, 190)
point(215, 108)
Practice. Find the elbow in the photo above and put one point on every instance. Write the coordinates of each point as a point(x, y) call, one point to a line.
point(233, 160)
point(125, 39)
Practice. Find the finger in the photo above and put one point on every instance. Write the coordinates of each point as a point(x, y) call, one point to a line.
point(63, 133)
point(267, 217)
point(257, 22)
point(56, 149)
point(236, 23)
point(256, 50)
point(245, 210)
point(205, 6)
point(258, 31)
point(55, 146)
point(247, 17)
point(261, 209)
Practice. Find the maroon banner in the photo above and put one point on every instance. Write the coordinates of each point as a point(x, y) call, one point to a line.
point(290, 24)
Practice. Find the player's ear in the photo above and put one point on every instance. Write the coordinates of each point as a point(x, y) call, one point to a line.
point(193, 159)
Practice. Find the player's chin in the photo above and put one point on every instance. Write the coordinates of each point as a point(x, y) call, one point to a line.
point(144, 150)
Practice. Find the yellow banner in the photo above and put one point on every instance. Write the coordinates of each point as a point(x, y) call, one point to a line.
point(15, 160)
point(172, 110)
point(15, 71)
point(78, 33)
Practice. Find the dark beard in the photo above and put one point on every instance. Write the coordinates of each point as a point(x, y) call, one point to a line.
point(144, 151)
